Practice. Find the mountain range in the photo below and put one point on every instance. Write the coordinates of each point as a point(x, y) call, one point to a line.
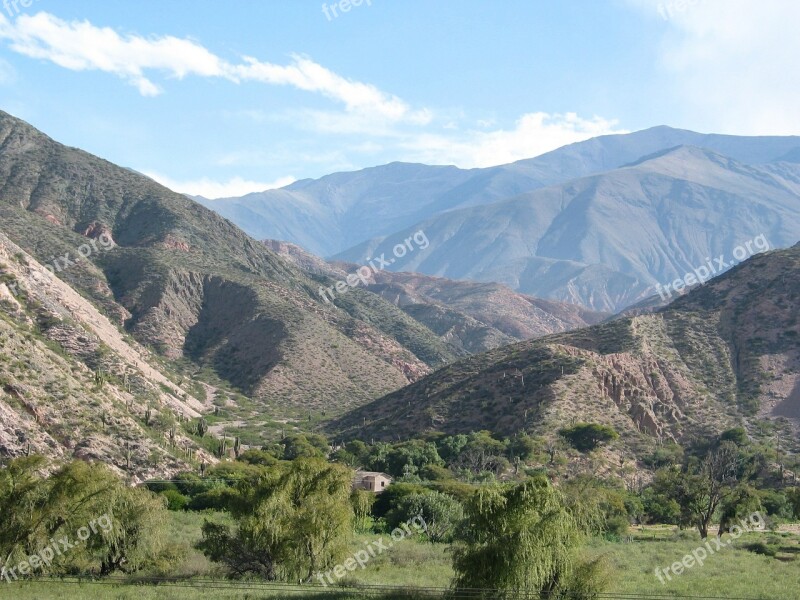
point(599, 223)
point(125, 305)
point(129, 311)
point(724, 355)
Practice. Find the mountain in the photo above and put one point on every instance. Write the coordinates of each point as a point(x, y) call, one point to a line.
point(72, 384)
point(605, 241)
point(334, 213)
point(471, 316)
point(192, 286)
point(724, 355)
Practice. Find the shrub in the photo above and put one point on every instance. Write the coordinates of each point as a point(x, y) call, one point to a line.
point(586, 437)
point(175, 500)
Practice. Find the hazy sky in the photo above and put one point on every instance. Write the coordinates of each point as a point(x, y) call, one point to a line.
point(225, 97)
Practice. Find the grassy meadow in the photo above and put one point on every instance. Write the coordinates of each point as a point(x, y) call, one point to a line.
point(732, 572)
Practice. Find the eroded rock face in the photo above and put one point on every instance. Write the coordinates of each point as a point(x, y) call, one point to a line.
point(71, 384)
point(725, 355)
point(97, 230)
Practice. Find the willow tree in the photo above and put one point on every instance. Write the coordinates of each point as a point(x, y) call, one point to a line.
point(111, 520)
point(295, 521)
point(362, 502)
point(523, 539)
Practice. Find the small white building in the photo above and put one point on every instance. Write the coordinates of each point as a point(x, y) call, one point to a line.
point(372, 481)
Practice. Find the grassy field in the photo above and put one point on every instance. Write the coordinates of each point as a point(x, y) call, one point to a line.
point(731, 572)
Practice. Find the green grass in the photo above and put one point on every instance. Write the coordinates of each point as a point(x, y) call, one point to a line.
point(732, 572)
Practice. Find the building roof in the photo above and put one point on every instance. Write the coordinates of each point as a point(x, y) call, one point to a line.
point(372, 474)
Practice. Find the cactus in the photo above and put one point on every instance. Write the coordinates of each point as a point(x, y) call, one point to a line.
point(172, 436)
point(236, 447)
point(148, 414)
point(203, 469)
point(202, 427)
point(99, 379)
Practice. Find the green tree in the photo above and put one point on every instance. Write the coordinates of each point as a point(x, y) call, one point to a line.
point(75, 497)
point(793, 495)
point(522, 447)
point(586, 437)
point(522, 539)
point(304, 445)
point(296, 520)
point(409, 457)
point(23, 506)
point(241, 552)
point(480, 455)
point(136, 537)
point(362, 502)
point(742, 502)
point(440, 512)
point(658, 499)
point(603, 502)
point(253, 456)
point(703, 485)
point(737, 435)
point(451, 446)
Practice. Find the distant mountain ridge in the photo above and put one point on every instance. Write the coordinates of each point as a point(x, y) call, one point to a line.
point(591, 223)
point(606, 240)
point(329, 215)
point(473, 317)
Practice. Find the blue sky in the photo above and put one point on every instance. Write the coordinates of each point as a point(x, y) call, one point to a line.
point(222, 98)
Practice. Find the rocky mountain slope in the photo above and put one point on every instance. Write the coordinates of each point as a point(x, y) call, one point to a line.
point(474, 317)
point(192, 286)
point(607, 240)
point(71, 384)
point(724, 355)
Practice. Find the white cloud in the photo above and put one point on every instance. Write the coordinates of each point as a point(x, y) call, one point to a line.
point(358, 98)
point(379, 123)
point(82, 46)
point(209, 188)
point(733, 62)
point(533, 134)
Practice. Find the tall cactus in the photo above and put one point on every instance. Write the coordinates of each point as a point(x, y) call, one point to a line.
point(202, 427)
